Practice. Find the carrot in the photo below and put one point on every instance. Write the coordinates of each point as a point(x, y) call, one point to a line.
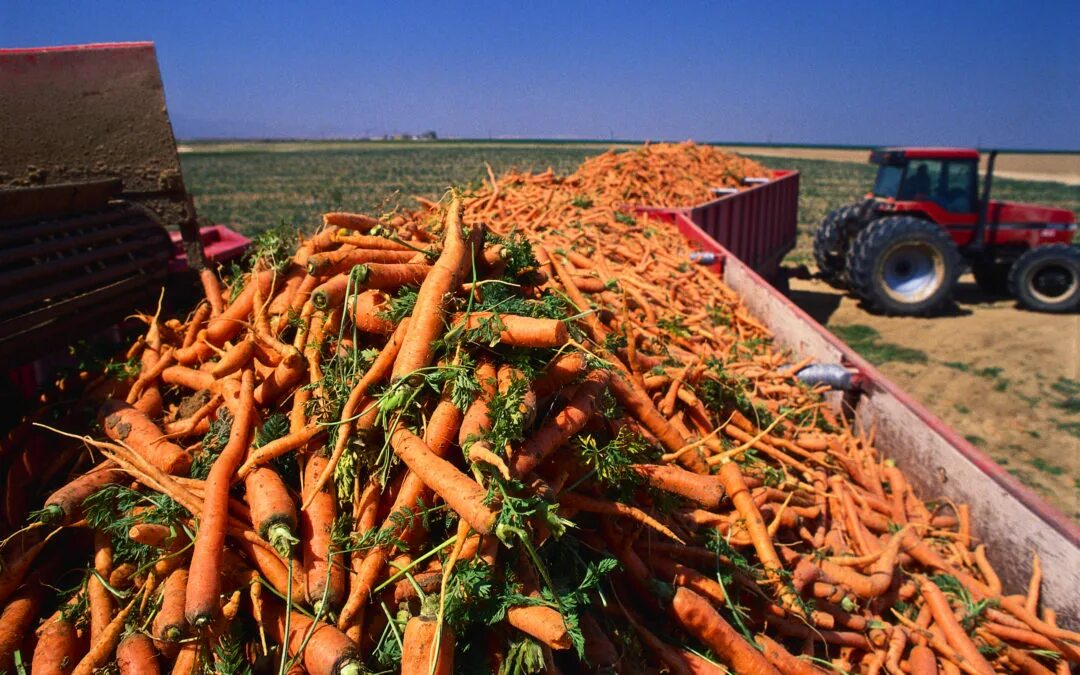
point(135, 655)
point(429, 311)
point(559, 372)
point(102, 649)
point(212, 288)
point(13, 569)
point(950, 627)
point(324, 570)
point(559, 429)
point(288, 373)
point(229, 323)
point(15, 621)
point(352, 221)
point(204, 583)
point(703, 490)
point(64, 506)
point(273, 513)
point(127, 425)
point(418, 648)
point(327, 651)
point(343, 260)
point(459, 491)
point(1031, 603)
point(782, 659)
point(922, 661)
point(514, 331)
point(573, 500)
point(637, 402)
point(169, 622)
point(58, 647)
point(698, 618)
point(541, 622)
point(683, 575)
point(365, 312)
point(100, 599)
point(379, 369)
point(278, 447)
point(674, 659)
point(234, 359)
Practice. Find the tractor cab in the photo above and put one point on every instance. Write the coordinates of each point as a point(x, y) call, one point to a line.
point(947, 178)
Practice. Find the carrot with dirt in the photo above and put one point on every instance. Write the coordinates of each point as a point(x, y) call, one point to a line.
point(425, 649)
point(204, 583)
point(565, 424)
point(461, 493)
point(135, 655)
point(104, 647)
point(64, 506)
point(125, 424)
point(170, 623)
point(323, 567)
point(58, 647)
point(16, 619)
point(430, 309)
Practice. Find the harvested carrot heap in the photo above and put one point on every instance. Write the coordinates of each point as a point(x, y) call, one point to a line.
point(516, 431)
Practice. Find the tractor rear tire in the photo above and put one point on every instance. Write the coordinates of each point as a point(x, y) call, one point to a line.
point(1047, 278)
point(992, 278)
point(904, 266)
point(830, 245)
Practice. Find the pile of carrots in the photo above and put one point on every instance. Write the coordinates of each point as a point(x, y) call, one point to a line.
point(515, 431)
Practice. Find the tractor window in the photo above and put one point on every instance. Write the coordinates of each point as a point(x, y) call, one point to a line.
point(922, 180)
point(888, 180)
point(960, 188)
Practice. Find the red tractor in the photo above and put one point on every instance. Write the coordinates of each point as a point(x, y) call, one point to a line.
point(901, 249)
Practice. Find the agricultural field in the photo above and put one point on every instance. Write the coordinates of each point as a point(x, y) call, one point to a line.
point(1007, 379)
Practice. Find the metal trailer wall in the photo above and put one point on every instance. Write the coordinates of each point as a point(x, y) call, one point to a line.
point(1008, 517)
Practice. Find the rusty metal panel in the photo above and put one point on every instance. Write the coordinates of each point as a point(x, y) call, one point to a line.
point(85, 113)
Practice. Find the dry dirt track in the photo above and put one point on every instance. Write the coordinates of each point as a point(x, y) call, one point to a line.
point(1060, 168)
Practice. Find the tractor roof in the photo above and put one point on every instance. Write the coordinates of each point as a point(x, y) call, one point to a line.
point(924, 153)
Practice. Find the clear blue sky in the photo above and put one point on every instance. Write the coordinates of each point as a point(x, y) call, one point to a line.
point(940, 72)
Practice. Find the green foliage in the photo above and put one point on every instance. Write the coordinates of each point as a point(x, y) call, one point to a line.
point(972, 611)
point(274, 247)
point(675, 325)
point(401, 304)
point(213, 442)
point(109, 510)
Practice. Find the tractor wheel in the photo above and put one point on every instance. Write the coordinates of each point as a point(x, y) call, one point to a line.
point(1047, 278)
point(903, 265)
point(830, 245)
point(992, 278)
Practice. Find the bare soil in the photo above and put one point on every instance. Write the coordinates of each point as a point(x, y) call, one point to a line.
point(1006, 379)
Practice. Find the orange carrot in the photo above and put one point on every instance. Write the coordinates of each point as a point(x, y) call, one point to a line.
point(418, 648)
point(234, 359)
point(697, 617)
point(922, 661)
point(279, 447)
point(343, 260)
point(100, 599)
point(204, 583)
point(365, 312)
point(135, 655)
point(103, 648)
point(559, 429)
point(273, 513)
point(230, 322)
point(541, 622)
point(559, 372)
point(573, 500)
point(64, 506)
point(459, 491)
point(212, 287)
point(58, 647)
point(515, 331)
point(950, 627)
point(352, 221)
point(782, 659)
point(703, 490)
point(325, 570)
point(429, 311)
point(15, 621)
point(327, 651)
point(125, 424)
point(169, 622)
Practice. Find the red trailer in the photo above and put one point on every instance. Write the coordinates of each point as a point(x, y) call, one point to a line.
point(1013, 521)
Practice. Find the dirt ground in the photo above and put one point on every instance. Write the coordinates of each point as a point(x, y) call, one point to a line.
point(1006, 379)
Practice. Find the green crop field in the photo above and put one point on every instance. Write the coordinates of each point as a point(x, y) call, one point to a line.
point(254, 186)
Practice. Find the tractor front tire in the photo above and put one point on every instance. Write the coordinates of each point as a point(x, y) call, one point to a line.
point(830, 245)
point(904, 266)
point(1047, 278)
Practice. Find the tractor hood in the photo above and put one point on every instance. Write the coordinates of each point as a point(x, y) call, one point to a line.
point(1016, 212)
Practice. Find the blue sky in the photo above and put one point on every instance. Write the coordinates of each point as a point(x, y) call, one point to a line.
point(1001, 74)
